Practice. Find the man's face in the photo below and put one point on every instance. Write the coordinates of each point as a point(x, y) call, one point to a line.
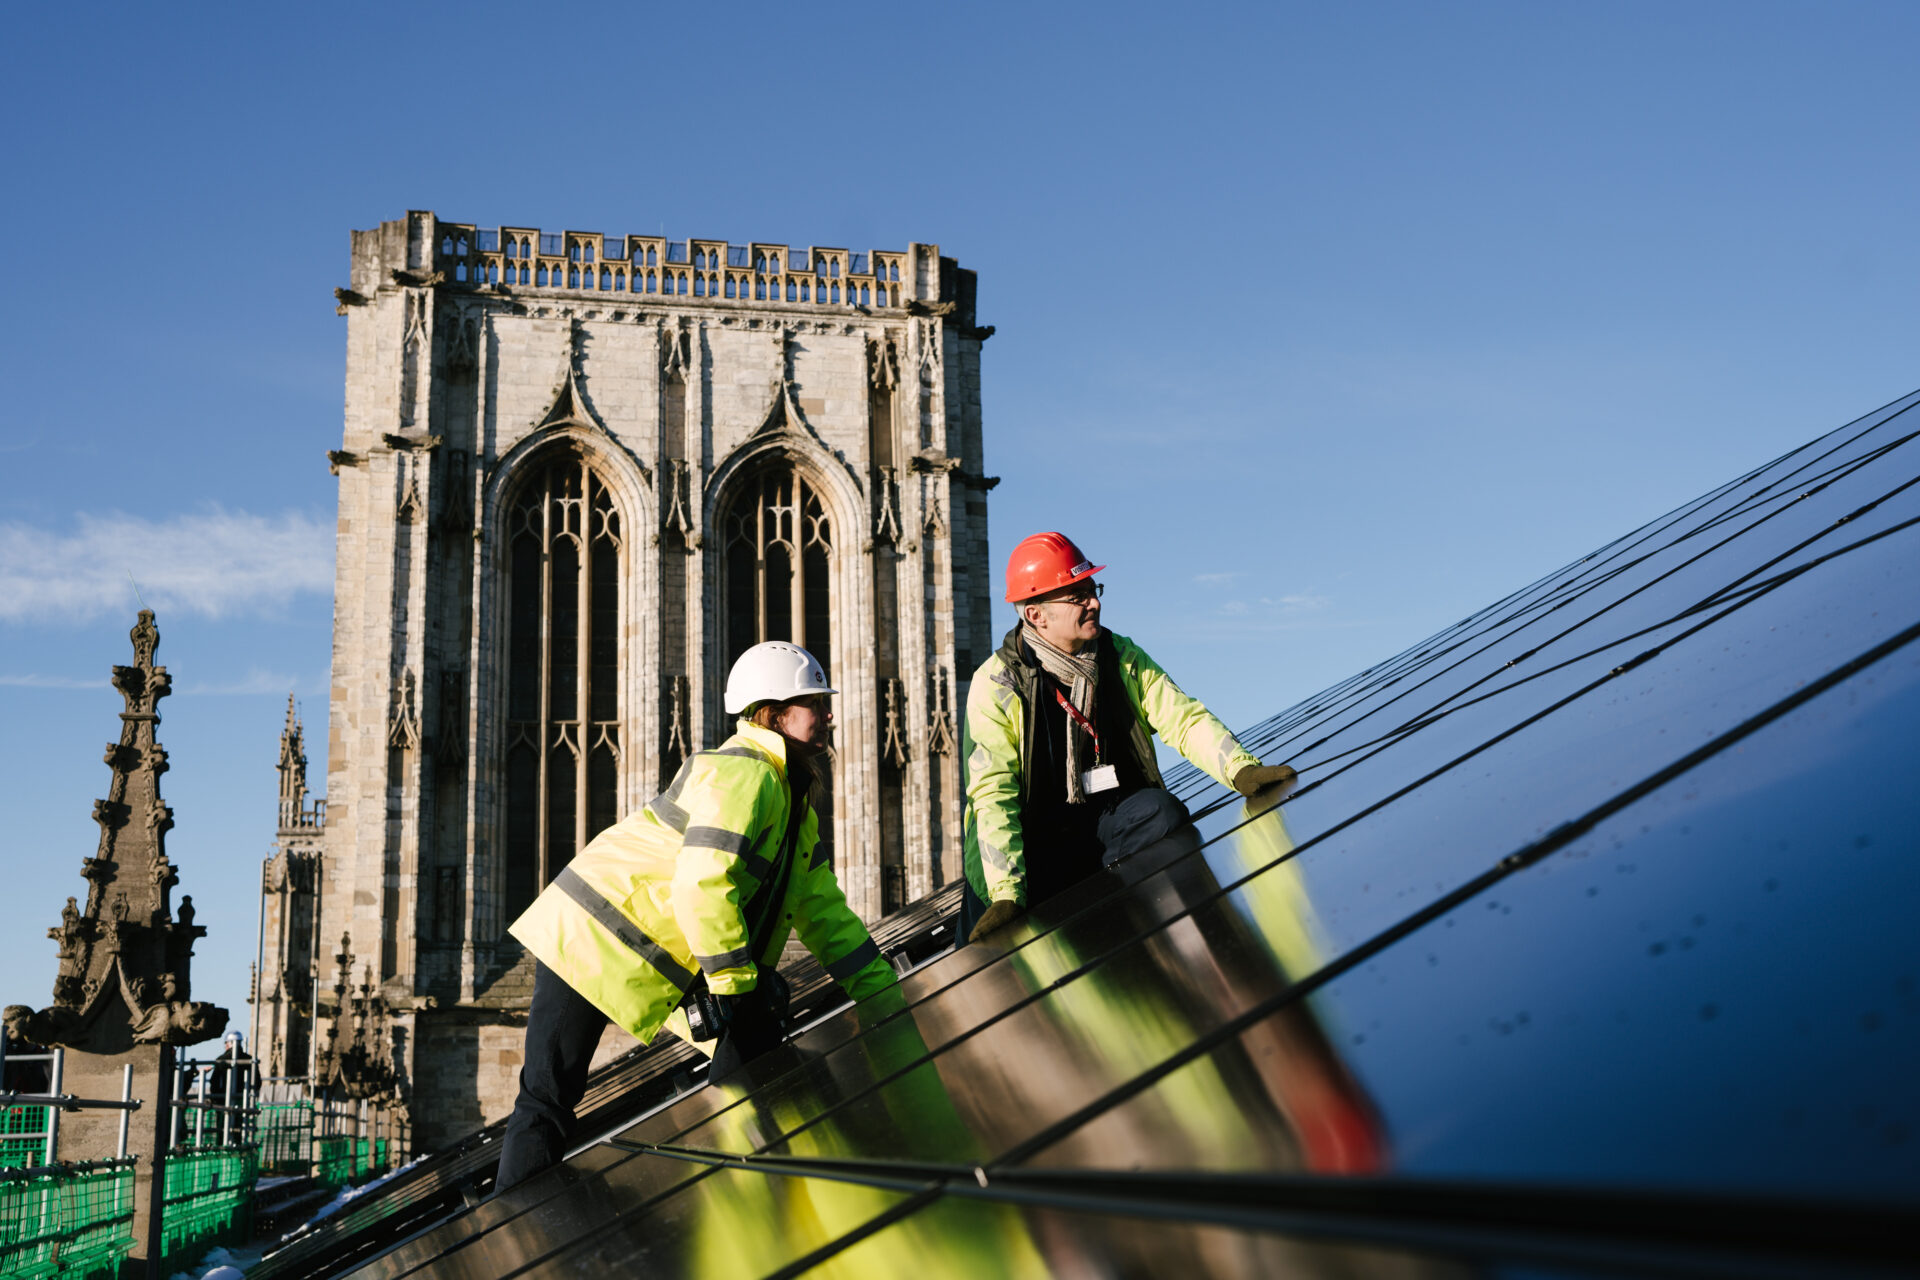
point(1068, 618)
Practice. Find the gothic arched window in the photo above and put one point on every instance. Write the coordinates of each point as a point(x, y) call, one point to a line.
point(563, 553)
point(779, 546)
point(777, 579)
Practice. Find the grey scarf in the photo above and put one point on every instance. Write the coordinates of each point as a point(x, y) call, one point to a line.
point(1079, 673)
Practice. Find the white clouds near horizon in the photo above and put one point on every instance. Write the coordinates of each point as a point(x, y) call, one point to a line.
point(217, 563)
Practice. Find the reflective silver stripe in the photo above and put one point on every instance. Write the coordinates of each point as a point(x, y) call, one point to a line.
point(610, 918)
point(994, 858)
point(737, 958)
point(731, 842)
point(666, 805)
point(668, 812)
point(715, 838)
point(854, 961)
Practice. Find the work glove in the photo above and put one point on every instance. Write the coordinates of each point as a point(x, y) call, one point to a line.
point(1002, 912)
point(1256, 778)
point(751, 1026)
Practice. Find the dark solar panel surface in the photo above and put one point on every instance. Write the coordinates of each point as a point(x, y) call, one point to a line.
point(1584, 942)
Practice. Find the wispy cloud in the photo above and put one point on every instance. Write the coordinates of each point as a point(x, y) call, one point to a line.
point(1300, 611)
point(1295, 606)
point(257, 680)
point(50, 682)
point(217, 563)
point(1215, 579)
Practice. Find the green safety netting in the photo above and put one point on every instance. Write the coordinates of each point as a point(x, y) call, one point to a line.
point(286, 1136)
point(369, 1157)
point(334, 1162)
point(22, 1136)
point(65, 1221)
point(209, 1198)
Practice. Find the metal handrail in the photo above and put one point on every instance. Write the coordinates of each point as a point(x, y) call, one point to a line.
point(57, 1102)
point(78, 1166)
point(68, 1102)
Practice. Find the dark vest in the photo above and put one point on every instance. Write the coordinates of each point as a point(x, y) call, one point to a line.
point(1062, 840)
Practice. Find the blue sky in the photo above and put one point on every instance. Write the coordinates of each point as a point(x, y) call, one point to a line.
point(1322, 325)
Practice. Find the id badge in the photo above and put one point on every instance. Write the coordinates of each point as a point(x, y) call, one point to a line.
point(1100, 778)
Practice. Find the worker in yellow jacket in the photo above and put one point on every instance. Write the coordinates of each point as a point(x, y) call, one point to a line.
point(1060, 772)
point(676, 916)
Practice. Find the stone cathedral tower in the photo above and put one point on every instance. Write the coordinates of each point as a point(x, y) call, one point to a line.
point(580, 474)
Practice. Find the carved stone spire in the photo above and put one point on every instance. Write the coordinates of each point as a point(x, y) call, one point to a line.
point(293, 769)
point(124, 961)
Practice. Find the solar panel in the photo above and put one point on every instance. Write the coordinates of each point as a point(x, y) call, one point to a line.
point(1583, 942)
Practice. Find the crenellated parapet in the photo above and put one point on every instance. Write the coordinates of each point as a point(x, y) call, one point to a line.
point(590, 262)
point(125, 959)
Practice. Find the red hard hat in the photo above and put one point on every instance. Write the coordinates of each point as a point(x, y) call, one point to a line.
point(1046, 562)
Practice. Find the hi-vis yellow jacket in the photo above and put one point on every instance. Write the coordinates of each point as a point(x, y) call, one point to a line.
point(660, 895)
point(997, 744)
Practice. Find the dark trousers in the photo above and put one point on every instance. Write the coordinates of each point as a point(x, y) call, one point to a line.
point(1144, 818)
point(563, 1030)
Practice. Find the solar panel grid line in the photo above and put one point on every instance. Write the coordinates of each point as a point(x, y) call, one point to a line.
point(1493, 675)
point(915, 1064)
point(1464, 659)
point(1474, 1219)
point(891, 935)
point(1398, 667)
point(1621, 670)
point(1744, 598)
point(438, 1240)
point(1843, 474)
point(474, 1237)
point(1770, 491)
point(1848, 518)
point(476, 1243)
point(600, 1234)
point(1786, 575)
point(906, 1209)
point(884, 1080)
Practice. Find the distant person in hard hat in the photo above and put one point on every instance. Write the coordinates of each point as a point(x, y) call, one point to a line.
point(676, 917)
point(236, 1065)
point(1060, 772)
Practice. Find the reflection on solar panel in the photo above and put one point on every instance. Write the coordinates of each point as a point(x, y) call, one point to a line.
point(1583, 942)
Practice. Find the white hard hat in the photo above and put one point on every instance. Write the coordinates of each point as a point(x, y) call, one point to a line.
point(773, 672)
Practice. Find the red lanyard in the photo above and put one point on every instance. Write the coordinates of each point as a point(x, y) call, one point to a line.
point(1082, 721)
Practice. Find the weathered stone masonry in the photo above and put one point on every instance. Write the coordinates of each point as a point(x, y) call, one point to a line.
point(578, 473)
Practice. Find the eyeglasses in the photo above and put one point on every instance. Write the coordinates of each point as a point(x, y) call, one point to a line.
point(1080, 595)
